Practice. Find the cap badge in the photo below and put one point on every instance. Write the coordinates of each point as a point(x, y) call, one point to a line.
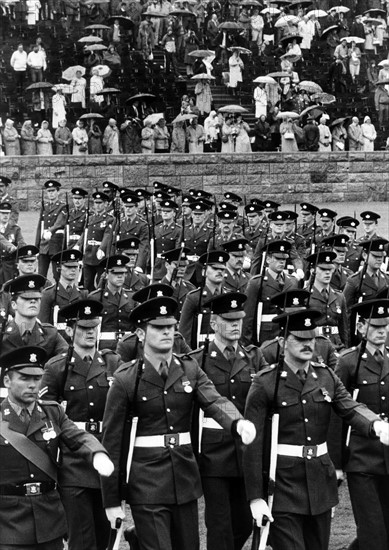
point(33, 358)
point(328, 259)
point(72, 256)
point(296, 301)
point(31, 284)
point(307, 322)
point(380, 311)
point(87, 310)
point(221, 259)
point(163, 310)
point(380, 247)
point(159, 293)
point(282, 248)
point(234, 304)
point(119, 262)
point(29, 252)
point(240, 246)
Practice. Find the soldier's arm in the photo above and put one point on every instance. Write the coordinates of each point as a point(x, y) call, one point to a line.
point(61, 345)
point(350, 293)
point(107, 238)
point(52, 383)
point(60, 220)
point(188, 316)
point(250, 307)
point(144, 247)
point(343, 323)
point(45, 312)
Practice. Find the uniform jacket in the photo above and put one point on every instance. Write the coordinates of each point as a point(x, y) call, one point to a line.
point(77, 221)
point(37, 519)
point(166, 238)
point(221, 454)
point(198, 243)
point(130, 347)
point(334, 314)
point(369, 287)
point(13, 234)
point(303, 486)
point(339, 278)
point(43, 335)
point(254, 236)
point(270, 287)
point(137, 228)
point(181, 289)
point(160, 475)
point(100, 231)
point(365, 455)
point(306, 231)
point(135, 281)
point(14, 206)
point(54, 219)
point(294, 257)
point(238, 284)
point(353, 258)
point(62, 299)
point(83, 392)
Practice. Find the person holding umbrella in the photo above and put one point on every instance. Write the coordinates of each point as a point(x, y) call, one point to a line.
point(339, 135)
point(80, 139)
point(236, 66)
point(288, 138)
point(78, 83)
point(95, 145)
point(28, 140)
point(354, 54)
point(195, 136)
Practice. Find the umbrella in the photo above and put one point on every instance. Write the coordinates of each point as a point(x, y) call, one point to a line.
point(317, 13)
point(290, 57)
point(201, 53)
point(264, 80)
point(377, 11)
point(384, 63)
point(202, 76)
point(91, 39)
point(96, 47)
point(328, 30)
point(182, 118)
point(324, 98)
point(240, 50)
point(339, 9)
point(233, 109)
point(279, 74)
point(301, 3)
point(66, 88)
point(310, 87)
point(313, 110)
point(286, 39)
point(339, 121)
point(230, 26)
point(282, 2)
point(103, 70)
point(356, 39)
point(141, 97)
point(372, 20)
point(124, 21)
point(286, 20)
point(97, 28)
point(40, 86)
point(253, 3)
point(183, 13)
point(287, 114)
point(106, 91)
point(272, 11)
point(70, 72)
point(88, 116)
point(382, 82)
point(155, 117)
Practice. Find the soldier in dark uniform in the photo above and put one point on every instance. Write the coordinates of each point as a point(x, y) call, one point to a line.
point(367, 464)
point(98, 241)
point(176, 264)
point(370, 225)
point(164, 482)
point(131, 225)
point(269, 207)
point(32, 516)
point(348, 226)
point(227, 230)
point(167, 235)
point(26, 259)
point(338, 244)
point(186, 211)
point(231, 368)
point(112, 191)
point(25, 328)
point(13, 234)
point(306, 478)
point(117, 302)
point(134, 280)
point(327, 225)
point(235, 279)
point(291, 235)
point(65, 291)
point(50, 235)
point(257, 325)
point(194, 321)
point(6, 197)
point(81, 383)
point(254, 231)
point(307, 228)
point(331, 303)
point(197, 237)
point(77, 215)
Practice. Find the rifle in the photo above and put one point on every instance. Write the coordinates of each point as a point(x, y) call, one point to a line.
point(258, 318)
point(66, 236)
point(313, 243)
point(41, 218)
point(85, 238)
point(174, 274)
point(214, 224)
point(244, 215)
point(353, 320)
point(152, 241)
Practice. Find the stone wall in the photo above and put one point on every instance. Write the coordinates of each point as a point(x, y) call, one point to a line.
point(286, 178)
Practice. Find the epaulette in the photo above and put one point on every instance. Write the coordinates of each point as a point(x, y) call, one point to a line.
point(316, 364)
point(268, 343)
point(337, 291)
point(323, 337)
point(46, 325)
point(188, 355)
point(107, 351)
point(56, 358)
point(348, 351)
point(354, 275)
point(48, 402)
point(47, 288)
point(128, 336)
point(127, 366)
point(266, 370)
point(249, 347)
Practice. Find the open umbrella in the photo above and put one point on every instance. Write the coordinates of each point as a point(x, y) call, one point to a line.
point(96, 48)
point(286, 20)
point(153, 13)
point(230, 26)
point(290, 57)
point(272, 11)
point(339, 121)
point(40, 86)
point(279, 74)
point(201, 53)
point(300, 3)
point(66, 88)
point(103, 70)
point(265, 80)
point(70, 72)
point(182, 118)
point(356, 39)
point(313, 110)
point(240, 50)
point(324, 98)
point(97, 27)
point(155, 117)
point(372, 21)
point(141, 97)
point(282, 3)
point(251, 3)
point(182, 13)
point(289, 38)
point(310, 87)
point(382, 82)
point(124, 21)
point(88, 116)
point(287, 114)
point(106, 91)
point(339, 9)
point(329, 29)
point(317, 13)
point(384, 63)
point(202, 76)
point(91, 39)
point(233, 109)
point(375, 11)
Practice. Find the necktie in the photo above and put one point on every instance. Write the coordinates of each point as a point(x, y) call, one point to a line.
point(379, 357)
point(69, 289)
point(87, 359)
point(164, 370)
point(325, 294)
point(26, 337)
point(301, 375)
point(24, 416)
point(280, 279)
point(229, 353)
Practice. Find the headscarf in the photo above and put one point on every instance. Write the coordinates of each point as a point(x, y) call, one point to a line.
point(367, 120)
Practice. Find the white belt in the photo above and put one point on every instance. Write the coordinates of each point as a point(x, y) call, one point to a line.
point(113, 335)
point(3, 393)
point(203, 337)
point(60, 326)
point(74, 237)
point(211, 423)
point(326, 330)
point(167, 440)
point(60, 231)
point(91, 427)
point(159, 255)
point(94, 243)
point(302, 451)
point(193, 258)
point(267, 318)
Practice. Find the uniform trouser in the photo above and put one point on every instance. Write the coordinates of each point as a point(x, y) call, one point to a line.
point(167, 526)
point(44, 264)
point(227, 513)
point(88, 527)
point(300, 532)
point(369, 495)
point(55, 544)
point(92, 274)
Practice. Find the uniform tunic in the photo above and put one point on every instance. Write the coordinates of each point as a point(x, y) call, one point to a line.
point(334, 314)
point(61, 298)
point(167, 237)
point(77, 221)
point(44, 335)
point(137, 228)
point(54, 219)
point(13, 234)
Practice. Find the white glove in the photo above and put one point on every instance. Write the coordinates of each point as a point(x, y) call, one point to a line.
point(259, 510)
point(299, 274)
point(113, 514)
point(76, 247)
point(381, 428)
point(100, 254)
point(246, 430)
point(46, 235)
point(138, 269)
point(103, 464)
point(339, 475)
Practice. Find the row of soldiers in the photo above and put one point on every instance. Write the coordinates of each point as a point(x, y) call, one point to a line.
point(139, 330)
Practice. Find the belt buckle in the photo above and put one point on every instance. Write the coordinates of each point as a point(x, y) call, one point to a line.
point(119, 335)
point(171, 440)
point(32, 489)
point(327, 331)
point(92, 427)
point(309, 451)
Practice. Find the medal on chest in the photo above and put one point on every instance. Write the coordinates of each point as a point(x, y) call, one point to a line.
point(48, 432)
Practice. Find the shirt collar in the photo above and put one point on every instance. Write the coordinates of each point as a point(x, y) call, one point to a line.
point(18, 409)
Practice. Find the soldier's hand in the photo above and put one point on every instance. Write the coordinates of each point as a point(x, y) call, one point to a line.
point(246, 430)
point(103, 464)
point(113, 514)
point(260, 511)
point(299, 274)
point(46, 235)
point(100, 254)
point(381, 428)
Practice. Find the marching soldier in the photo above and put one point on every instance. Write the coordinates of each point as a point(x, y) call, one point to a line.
point(77, 215)
point(348, 226)
point(370, 225)
point(231, 367)
point(134, 280)
point(50, 235)
point(257, 325)
point(338, 244)
point(164, 482)
point(32, 432)
point(26, 259)
point(194, 321)
point(131, 225)
point(308, 227)
point(6, 197)
point(269, 207)
point(228, 231)
point(290, 235)
point(197, 237)
point(254, 231)
point(333, 322)
point(186, 211)
point(81, 383)
point(235, 279)
point(167, 235)
point(306, 479)
point(367, 465)
point(65, 292)
point(176, 264)
point(327, 225)
point(98, 240)
point(13, 235)
point(117, 302)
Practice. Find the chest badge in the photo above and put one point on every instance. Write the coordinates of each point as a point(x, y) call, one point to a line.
point(187, 387)
point(48, 431)
point(326, 395)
